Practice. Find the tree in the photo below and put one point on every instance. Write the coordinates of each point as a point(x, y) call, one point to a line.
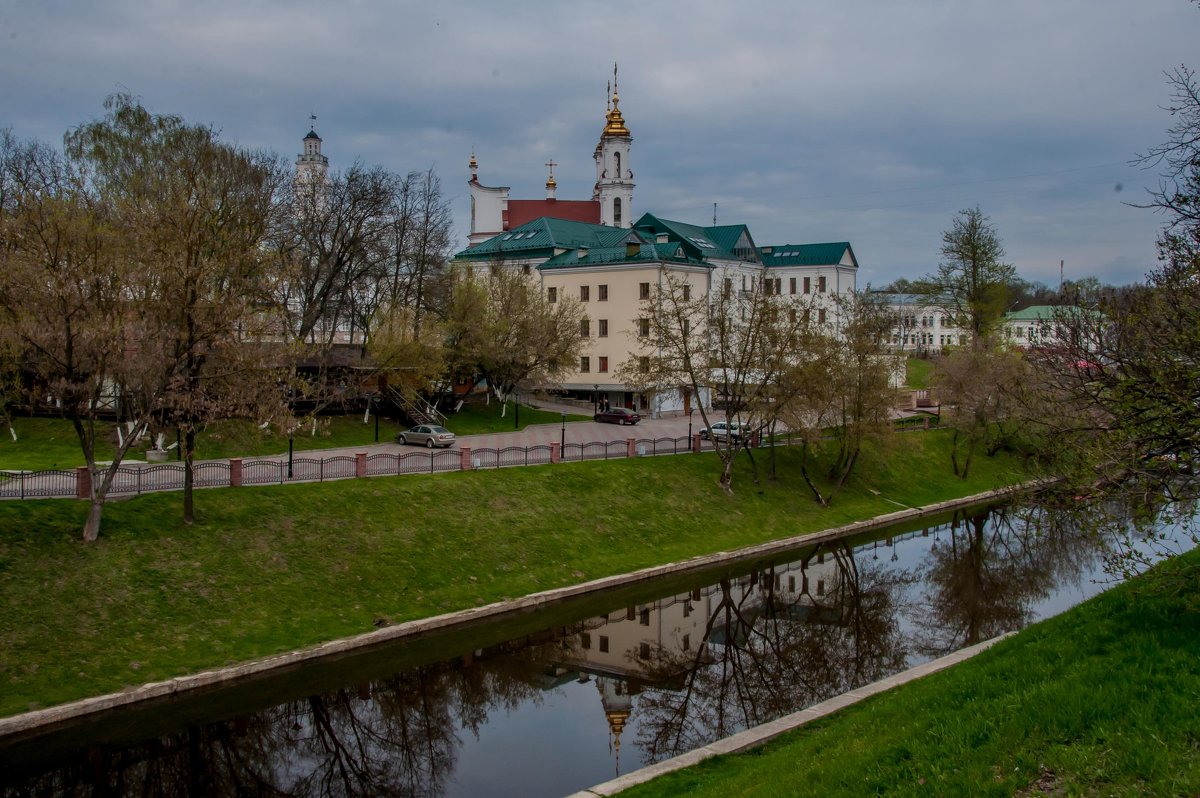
point(971, 283)
point(63, 285)
point(978, 387)
point(500, 329)
point(192, 214)
point(838, 395)
point(733, 345)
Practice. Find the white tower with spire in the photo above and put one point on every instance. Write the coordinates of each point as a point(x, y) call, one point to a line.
point(311, 166)
point(614, 178)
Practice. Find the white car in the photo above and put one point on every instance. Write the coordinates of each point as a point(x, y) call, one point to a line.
point(723, 430)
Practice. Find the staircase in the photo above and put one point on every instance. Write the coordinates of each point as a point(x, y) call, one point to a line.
point(417, 410)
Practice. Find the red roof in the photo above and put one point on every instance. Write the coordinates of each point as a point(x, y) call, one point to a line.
point(522, 211)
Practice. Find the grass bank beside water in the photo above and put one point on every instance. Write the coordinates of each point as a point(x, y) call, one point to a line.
point(1101, 700)
point(271, 569)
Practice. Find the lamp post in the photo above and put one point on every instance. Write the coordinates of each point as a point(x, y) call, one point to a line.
point(595, 399)
point(562, 440)
point(690, 410)
point(375, 403)
point(290, 442)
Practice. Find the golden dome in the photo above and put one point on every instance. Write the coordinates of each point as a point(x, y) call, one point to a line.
point(616, 124)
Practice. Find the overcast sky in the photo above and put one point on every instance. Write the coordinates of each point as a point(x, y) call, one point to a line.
point(872, 122)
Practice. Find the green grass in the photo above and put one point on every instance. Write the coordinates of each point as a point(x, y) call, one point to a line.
point(1101, 700)
point(270, 569)
point(44, 443)
point(476, 418)
point(917, 372)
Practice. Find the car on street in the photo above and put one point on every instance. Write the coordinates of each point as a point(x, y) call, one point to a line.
point(428, 435)
point(617, 415)
point(723, 430)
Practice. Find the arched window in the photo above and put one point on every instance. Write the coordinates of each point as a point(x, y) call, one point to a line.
point(617, 161)
point(616, 211)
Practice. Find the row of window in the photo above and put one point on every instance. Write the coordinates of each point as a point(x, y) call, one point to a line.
point(585, 328)
point(585, 365)
point(585, 292)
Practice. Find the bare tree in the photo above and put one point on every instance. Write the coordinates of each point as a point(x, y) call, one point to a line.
point(732, 346)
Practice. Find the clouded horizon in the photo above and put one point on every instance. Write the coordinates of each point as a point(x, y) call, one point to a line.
point(868, 122)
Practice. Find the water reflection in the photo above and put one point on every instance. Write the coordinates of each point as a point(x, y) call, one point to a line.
point(662, 676)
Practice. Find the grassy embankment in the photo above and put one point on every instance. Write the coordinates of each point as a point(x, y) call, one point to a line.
point(1101, 700)
point(269, 569)
point(45, 443)
point(917, 372)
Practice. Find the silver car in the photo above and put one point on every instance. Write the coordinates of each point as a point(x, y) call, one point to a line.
point(722, 430)
point(428, 435)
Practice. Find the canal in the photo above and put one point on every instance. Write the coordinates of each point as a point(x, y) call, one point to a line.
point(546, 704)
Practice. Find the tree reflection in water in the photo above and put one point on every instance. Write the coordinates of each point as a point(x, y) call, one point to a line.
point(984, 578)
point(766, 653)
point(396, 736)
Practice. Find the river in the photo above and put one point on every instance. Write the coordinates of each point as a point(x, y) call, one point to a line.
point(547, 704)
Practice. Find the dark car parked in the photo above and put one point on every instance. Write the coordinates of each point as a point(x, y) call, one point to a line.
point(618, 415)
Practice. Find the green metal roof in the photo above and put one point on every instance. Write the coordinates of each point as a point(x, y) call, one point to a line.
point(829, 254)
point(1035, 313)
point(542, 237)
point(672, 252)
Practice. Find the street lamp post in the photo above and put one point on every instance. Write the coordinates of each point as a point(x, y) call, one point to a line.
point(689, 423)
point(562, 441)
point(595, 399)
point(290, 443)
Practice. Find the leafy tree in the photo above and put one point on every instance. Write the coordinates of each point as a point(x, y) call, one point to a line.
point(839, 393)
point(192, 214)
point(979, 390)
point(500, 329)
point(63, 284)
point(971, 283)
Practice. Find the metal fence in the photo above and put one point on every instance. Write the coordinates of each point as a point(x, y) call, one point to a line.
point(139, 478)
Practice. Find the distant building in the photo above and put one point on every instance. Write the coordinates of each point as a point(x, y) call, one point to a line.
point(922, 327)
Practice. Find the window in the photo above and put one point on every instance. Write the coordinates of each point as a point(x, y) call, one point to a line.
point(820, 587)
point(728, 287)
point(644, 363)
point(808, 285)
point(644, 617)
point(617, 210)
point(617, 165)
point(687, 642)
point(585, 328)
point(792, 285)
point(603, 644)
point(687, 327)
point(643, 290)
point(525, 269)
point(630, 613)
point(585, 292)
point(602, 293)
point(821, 283)
point(552, 294)
point(603, 365)
point(602, 328)
point(687, 292)
point(821, 316)
point(643, 327)
point(644, 651)
point(585, 641)
point(792, 584)
point(585, 364)
point(778, 286)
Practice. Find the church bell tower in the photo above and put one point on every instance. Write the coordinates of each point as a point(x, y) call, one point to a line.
point(614, 178)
